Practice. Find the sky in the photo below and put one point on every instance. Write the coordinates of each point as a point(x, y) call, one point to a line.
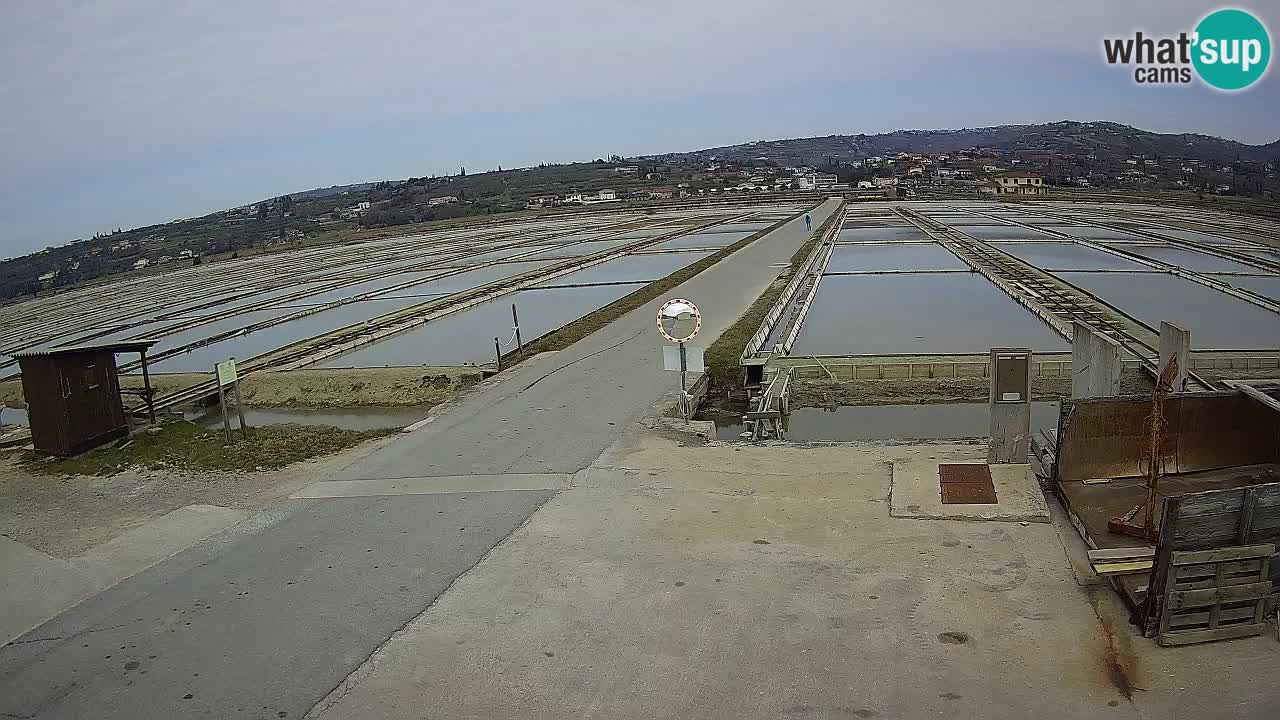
point(123, 113)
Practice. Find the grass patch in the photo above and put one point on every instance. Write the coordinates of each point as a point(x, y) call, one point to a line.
point(587, 324)
point(723, 355)
point(186, 447)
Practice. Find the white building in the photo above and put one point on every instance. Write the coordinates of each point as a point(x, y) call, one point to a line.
point(600, 197)
point(1018, 182)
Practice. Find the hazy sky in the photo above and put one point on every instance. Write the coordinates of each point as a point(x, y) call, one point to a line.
point(131, 112)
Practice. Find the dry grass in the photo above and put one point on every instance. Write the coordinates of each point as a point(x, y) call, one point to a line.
point(184, 447)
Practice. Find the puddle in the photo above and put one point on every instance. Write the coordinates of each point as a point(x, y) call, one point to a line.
point(948, 421)
point(1069, 256)
point(900, 256)
point(355, 418)
point(1216, 320)
point(917, 314)
point(466, 337)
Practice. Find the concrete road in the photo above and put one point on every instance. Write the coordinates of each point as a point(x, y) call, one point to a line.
point(772, 583)
point(267, 618)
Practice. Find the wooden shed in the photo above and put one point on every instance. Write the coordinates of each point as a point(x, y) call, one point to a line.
point(73, 395)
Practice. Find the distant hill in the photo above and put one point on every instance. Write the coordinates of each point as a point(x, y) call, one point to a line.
point(1066, 137)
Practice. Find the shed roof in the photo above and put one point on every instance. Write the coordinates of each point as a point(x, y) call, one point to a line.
point(121, 346)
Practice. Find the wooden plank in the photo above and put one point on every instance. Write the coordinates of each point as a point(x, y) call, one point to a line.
point(1200, 557)
point(1187, 619)
point(1267, 495)
point(1205, 531)
point(1182, 599)
point(1213, 582)
point(1190, 637)
point(1121, 553)
point(1245, 528)
point(1258, 396)
point(1213, 502)
point(1227, 568)
point(1122, 568)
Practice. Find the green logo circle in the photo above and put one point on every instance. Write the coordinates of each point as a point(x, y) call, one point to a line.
point(1232, 49)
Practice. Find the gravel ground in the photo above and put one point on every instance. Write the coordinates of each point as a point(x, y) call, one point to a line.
point(65, 516)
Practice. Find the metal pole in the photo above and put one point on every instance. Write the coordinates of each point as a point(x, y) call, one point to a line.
point(683, 368)
point(515, 320)
point(497, 350)
point(146, 387)
point(222, 401)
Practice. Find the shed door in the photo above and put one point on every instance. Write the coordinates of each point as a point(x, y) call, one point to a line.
point(91, 398)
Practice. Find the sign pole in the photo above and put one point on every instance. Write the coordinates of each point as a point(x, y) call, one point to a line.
point(222, 402)
point(684, 368)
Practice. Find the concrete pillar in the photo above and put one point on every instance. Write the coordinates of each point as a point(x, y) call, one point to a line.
point(1010, 403)
point(1176, 342)
point(1095, 363)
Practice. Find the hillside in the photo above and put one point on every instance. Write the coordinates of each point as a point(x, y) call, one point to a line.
point(1064, 152)
point(1066, 138)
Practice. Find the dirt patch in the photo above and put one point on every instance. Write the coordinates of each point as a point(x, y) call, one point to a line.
point(65, 516)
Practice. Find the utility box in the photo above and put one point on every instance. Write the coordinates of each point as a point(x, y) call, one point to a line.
point(1010, 403)
point(73, 396)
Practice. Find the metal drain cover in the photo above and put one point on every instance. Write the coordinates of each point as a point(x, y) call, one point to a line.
point(966, 484)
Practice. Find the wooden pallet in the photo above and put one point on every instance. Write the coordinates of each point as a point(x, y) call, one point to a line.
point(1215, 594)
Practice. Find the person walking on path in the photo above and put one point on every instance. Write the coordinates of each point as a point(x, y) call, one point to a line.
point(808, 223)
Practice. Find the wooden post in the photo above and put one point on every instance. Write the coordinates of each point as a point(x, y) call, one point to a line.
point(235, 388)
point(222, 402)
point(515, 321)
point(146, 387)
point(497, 350)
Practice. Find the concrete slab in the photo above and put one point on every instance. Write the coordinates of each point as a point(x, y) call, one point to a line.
point(143, 648)
point(916, 494)
point(747, 582)
point(433, 485)
point(35, 587)
point(142, 547)
point(38, 587)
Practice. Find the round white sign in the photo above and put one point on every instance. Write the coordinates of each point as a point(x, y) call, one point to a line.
point(679, 320)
